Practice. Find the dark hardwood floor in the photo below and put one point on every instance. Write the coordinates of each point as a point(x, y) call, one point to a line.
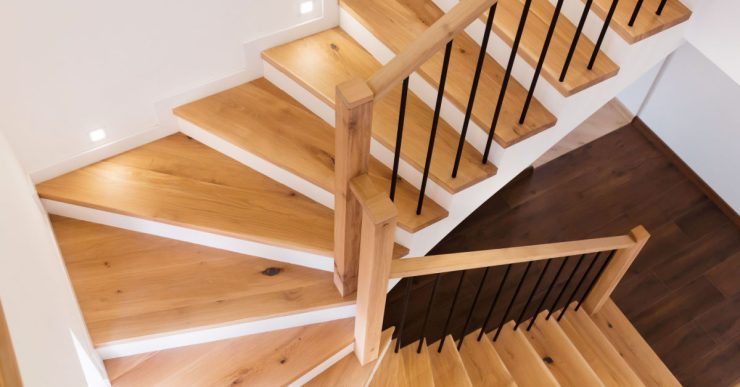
point(681, 293)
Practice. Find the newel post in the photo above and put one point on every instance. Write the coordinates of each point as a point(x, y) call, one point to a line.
point(615, 271)
point(354, 111)
point(376, 253)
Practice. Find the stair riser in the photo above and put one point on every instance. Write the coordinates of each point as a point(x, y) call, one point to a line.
point(184, 234)
point(211, 334)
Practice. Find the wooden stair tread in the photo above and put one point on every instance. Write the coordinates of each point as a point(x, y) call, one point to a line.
point(349, 368)
point(521, 359)
point(447, 366)
point(647, 23)
point(263, 120)
point(131, 285)
point(418, 365)
point(483, 363)
point(335, 57)
point(391, 371)
point(267, 359)
point(561, 357)
point(398, 22)
point(632, 347)
point(611, 368)
point(579, 77)
point(179, 181)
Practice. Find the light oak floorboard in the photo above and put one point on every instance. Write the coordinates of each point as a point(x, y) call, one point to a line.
point(521, 359)
point(483, 363)
point(447, 366)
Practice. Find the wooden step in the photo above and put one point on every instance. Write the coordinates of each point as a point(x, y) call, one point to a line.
point(335, 57)
point(632, 347)
point(179, 181)
point(448, 368)
point(647, 23)
point(483, 363)
point(132, 285)
point(397, 23)
point(418, 365)
point(521, 359)
point(350, 371)
point(267, 359)
point(568, 366)
point(261, 119)
point(391, 372)
point(579, 77)
point(611, 368)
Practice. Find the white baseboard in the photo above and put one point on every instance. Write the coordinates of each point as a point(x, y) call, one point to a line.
point(225, 331)
point(218, 241)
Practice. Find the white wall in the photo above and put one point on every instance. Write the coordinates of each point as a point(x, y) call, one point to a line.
point(715, 31)
point(71, 66)
point(40, 307)
point(694, 108)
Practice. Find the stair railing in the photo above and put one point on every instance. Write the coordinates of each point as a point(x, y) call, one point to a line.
point(591, 269)
point(364, 223)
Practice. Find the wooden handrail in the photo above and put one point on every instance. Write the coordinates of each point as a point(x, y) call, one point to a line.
point(412, 267)
point(426, 45)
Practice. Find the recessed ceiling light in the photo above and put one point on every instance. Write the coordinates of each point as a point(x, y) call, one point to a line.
point(97, 135)
point(306, 7)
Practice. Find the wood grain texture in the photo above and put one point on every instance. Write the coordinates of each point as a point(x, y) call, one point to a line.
point(444, 263)
point(391, 372)
point(603, 358)
point(483, 364)
point(265, 121)
point(132, 285)
point(521, 359)
point(447, 366)
point(179, 181)
point(579, 77)
point(9, 373)
point(267, 359)
point(418, 365)
point(632, 347)
point(348, 371)
point(335, 58)
point(397, 23)
point(647, 23)
point(373, 265)
point(561, 357)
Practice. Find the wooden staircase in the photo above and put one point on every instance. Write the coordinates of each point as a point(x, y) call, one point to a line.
point(574, 352)
point(213, 256)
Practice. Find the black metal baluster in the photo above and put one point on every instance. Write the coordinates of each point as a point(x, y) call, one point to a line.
point(597, 48)
point(494, 302)
point(507, 76)
point(472, 307)
point(399, 137)
point(596, 278)
point(474, 88)
point(435, 122)
point(541, 62)
point(580, 283)
point(660, 7)
point(635, 13)
point(576, 37)
point(511, 303)
point(452, 310)
point(565, 286)
point(531, 295)
point(428, 312)
point(547, 294)
point(406, 297)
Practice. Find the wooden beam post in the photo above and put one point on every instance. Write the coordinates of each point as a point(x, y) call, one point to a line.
point(354, 112)
point(376, 252)
point(615, 271)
